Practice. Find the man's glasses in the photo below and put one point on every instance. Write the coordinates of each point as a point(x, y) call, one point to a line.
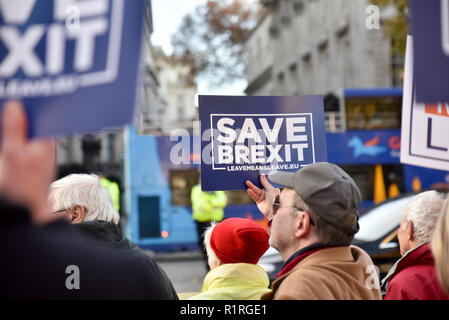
point(59, 211)
point(277, 205)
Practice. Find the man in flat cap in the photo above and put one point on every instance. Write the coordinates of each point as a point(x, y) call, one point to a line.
point(312, 222)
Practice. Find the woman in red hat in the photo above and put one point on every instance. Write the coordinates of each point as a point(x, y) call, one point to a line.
point(234, 246)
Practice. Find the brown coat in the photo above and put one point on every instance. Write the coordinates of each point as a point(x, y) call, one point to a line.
point(338, 273)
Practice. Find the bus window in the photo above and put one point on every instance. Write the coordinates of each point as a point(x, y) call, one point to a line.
point(363, 176)
point(368, 113)
point(181, 184)
point(394, 179)
point(238, 197)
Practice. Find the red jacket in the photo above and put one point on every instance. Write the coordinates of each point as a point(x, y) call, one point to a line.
point(413, 277)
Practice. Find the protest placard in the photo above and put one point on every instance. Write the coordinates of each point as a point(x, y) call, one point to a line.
point(425, 127)
point(430, 30)
point(73, 63)
point(243, 137)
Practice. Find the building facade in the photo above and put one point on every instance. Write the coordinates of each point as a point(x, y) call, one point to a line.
point(317, 47)
point(177, 86)
point(151, 103)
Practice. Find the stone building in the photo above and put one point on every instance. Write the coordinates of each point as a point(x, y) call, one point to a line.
point(317, 47)
point(177, 86)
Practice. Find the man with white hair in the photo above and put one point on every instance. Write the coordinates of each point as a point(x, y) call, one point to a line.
point(413, 277)
point(82, 198)
point(88, 205)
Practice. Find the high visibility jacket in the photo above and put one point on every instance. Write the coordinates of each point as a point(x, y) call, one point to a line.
point(234, 281)
point(207, 206)
point(114, 191)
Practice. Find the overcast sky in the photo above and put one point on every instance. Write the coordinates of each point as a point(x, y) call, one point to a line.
point(167, 15)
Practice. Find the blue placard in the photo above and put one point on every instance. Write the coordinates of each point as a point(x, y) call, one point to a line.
point(242, 137)
point(73, 63)
point(430, 29)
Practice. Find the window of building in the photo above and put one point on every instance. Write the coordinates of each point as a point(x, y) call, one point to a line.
point(294, 78)
point(281, 84)
point(323, 63)
point(307, 72)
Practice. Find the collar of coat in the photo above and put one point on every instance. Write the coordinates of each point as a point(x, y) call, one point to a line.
point(418, 255)
point(299, 256)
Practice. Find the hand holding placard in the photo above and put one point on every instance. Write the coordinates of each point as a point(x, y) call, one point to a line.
point(246, 136)
point(264, 198)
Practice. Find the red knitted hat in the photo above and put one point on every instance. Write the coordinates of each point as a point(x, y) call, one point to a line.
point(238, 240)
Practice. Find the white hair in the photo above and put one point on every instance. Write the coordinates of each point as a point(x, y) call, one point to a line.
point(83, 190)
point(423, 211)
point(212, 257)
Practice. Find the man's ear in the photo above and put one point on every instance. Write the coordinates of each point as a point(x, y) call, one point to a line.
point(78, 214)
point(409, 229)
point(302, 224)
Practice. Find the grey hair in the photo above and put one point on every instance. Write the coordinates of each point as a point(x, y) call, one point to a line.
point(83, 190)
point(423, 211)
point(212, 257)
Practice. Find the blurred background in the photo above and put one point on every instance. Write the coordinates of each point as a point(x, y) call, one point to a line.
point(349, 51)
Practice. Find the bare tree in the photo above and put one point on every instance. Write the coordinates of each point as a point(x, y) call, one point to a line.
point(211, 38)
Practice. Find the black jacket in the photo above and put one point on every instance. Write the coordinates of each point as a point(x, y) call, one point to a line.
point(34, 261)
point(110, 233)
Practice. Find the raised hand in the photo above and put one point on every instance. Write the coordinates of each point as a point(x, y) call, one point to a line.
point(264, 198)
point(26, 167)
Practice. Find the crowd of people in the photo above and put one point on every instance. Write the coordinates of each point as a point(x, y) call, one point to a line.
point(50, 228)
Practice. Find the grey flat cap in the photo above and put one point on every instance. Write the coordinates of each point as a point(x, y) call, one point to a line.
point(328, 190)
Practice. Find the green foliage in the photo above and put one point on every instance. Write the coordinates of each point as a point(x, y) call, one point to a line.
point(397, 26)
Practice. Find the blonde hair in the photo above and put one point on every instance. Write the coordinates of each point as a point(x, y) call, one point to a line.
point(440, 246)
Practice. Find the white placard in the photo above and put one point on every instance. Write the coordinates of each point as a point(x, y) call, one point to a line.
point(425, 127)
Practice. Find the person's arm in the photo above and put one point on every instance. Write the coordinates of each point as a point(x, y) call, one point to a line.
point(27, 167)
